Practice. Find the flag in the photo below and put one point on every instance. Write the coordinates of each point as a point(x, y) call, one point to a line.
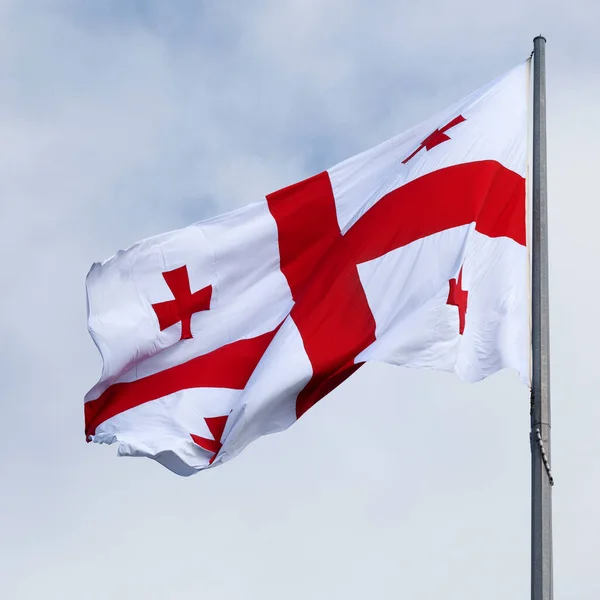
point(412, 253)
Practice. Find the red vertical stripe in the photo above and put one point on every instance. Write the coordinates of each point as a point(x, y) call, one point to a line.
point(331, 310)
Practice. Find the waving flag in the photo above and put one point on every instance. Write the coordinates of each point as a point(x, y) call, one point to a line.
point(412, 253)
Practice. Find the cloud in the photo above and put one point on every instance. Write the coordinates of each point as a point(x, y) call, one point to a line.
point(121, 120)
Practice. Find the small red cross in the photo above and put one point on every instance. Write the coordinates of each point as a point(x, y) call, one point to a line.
point(436, 138)
point(459, 298)
point(216, 425)
point(185, 303)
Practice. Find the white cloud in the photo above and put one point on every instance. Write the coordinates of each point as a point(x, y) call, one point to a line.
point(121, 120)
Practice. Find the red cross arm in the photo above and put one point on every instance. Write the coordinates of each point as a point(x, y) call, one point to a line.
point(453, 123)
point(459, 298)
point(227, 367)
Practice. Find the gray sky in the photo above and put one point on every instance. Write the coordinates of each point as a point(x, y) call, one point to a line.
point(122, 119)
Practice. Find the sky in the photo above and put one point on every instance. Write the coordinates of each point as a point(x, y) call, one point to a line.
point(123, 119)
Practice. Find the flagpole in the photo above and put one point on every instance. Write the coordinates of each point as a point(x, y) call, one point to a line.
point(541, 476)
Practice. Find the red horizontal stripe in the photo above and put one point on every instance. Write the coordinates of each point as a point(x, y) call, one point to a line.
point(484, 192)
point(227, 367)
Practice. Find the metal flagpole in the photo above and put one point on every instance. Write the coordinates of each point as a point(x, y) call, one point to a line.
point(541, 476)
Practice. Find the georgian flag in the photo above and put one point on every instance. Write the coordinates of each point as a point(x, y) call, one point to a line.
point(412, 253)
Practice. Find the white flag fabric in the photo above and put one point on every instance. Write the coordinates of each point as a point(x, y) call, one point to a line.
point(413, 253)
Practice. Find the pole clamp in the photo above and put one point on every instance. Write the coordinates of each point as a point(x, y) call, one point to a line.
point(540, 443)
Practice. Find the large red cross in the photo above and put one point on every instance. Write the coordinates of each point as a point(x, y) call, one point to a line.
point(436, 138)
point(185, 303)
point(320, 263)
